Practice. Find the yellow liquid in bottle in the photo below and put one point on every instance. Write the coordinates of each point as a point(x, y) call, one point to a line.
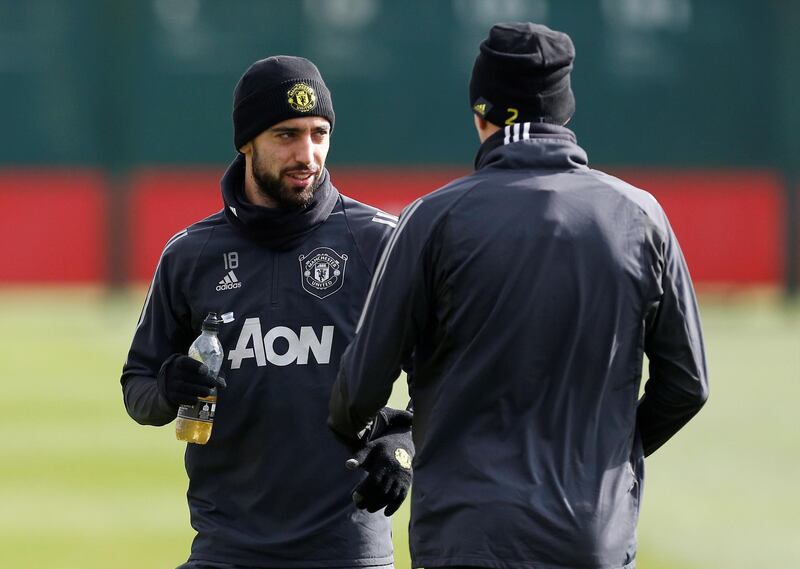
point(196, 427)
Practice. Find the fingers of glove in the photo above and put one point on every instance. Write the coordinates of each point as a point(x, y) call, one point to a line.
point(185, 363)
point(182, 399)
point(360, 457)
point(373, 498)
point(195, 377)
point(367, 488)
point(399, 483)
point(399, 494)
point(393, 506)
point(370, 494)
point(187, 389)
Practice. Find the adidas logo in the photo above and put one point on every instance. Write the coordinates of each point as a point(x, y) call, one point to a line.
point(480, 108)
point(229, 282)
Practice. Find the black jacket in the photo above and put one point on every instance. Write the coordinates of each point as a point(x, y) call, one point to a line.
point(528, 293)
point(270, 488)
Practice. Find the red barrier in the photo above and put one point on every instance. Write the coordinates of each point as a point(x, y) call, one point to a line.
point(730, 224)
point(52, 226)
point(163, 202)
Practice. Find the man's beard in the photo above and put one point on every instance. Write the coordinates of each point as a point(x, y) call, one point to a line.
point(272, 187)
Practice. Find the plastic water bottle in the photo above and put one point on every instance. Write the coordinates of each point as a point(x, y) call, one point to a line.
point(195, 422)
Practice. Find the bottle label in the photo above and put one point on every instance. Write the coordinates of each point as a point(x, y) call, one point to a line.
point(201, 411)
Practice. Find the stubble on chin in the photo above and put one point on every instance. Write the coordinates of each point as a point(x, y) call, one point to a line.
point(284, 196)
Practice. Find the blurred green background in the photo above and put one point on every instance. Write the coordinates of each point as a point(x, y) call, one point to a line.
point(83, 486)
point(140, 82)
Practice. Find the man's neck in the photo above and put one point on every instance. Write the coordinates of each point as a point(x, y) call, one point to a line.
point(251, 189)
point(487, 131)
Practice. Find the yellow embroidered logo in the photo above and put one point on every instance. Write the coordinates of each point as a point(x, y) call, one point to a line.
point(480, 108)
point(301, 98)
point(403, 458)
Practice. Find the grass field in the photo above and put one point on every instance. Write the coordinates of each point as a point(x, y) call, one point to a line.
point(83, 486)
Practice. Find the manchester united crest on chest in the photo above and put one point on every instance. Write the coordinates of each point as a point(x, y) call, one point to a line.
point(322, 271)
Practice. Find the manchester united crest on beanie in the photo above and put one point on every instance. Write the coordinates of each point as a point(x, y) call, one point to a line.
point(276, 89)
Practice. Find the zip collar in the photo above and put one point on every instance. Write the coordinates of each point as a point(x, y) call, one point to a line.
point(531, 145)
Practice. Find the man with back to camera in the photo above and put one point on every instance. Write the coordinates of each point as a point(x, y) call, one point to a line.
point(291, 259)
point(527, 293)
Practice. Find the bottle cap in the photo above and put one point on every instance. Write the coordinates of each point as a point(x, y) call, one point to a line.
point(212, 322)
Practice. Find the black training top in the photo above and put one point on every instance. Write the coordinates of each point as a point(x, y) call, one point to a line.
point(528, 293)
point(270, 489)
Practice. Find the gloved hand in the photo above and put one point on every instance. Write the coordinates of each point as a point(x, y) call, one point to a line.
point(387, 459)
point(181, 380)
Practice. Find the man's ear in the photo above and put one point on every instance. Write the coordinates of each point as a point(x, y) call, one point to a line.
point(480, 123)
point(247, 147)
point(485, 128)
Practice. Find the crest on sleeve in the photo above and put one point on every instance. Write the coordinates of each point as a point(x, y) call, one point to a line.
point(322, 271)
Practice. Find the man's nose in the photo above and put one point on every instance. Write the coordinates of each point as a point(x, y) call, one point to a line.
point(304, 150)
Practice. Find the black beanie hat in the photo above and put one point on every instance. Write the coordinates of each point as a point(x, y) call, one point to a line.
point(276, 89)
point(522, 74)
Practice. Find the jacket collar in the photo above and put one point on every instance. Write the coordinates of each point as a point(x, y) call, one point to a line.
point(277, 228)
point(531, 145)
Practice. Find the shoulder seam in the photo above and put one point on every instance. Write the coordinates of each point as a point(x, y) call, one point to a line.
point(173, 239)
point(378, 215)
point(353, 235)
point(387, 250)
point(178, 236)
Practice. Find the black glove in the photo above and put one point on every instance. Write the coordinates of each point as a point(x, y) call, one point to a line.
point(387, 459)
point(181, 380)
